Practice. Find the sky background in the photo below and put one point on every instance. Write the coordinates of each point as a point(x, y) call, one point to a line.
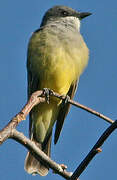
point(97, 87)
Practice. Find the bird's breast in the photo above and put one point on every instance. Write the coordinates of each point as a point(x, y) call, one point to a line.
point(58, 59)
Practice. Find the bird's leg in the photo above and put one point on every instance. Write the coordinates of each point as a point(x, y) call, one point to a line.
point(65, 101)
point(46, 93)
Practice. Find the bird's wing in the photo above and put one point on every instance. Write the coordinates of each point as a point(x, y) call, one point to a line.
point(63, 112)
point(32, 165)
point(33, 84)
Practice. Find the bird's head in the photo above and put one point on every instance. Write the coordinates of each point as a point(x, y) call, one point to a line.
point(57, 12)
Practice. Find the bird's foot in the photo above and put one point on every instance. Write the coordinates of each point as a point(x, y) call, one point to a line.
point(47, 92)
point(65, 100)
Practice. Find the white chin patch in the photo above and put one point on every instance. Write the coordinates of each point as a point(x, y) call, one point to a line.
point(75, 20)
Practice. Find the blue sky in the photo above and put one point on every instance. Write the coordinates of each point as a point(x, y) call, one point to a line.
point(97, 88)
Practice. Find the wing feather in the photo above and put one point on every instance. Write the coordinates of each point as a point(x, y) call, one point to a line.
point(63, 112)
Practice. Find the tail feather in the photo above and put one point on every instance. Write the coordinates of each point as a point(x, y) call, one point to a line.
point(33, 166)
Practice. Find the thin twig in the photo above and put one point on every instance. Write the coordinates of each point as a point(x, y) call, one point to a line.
point(96, 149)
point(35, 99)
point(81, 106)
point(40, 155)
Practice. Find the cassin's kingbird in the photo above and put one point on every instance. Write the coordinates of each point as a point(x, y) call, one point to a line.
point(57, 55)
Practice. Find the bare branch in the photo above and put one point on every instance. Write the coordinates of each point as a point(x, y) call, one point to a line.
point(96, 149)
point(40, 155)
point(35, 99)
point(38, 97)
point(81, 106)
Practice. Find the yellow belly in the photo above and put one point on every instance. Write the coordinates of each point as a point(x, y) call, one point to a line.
point(62, 69)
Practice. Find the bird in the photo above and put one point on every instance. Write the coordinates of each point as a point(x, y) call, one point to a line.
point(56, 57)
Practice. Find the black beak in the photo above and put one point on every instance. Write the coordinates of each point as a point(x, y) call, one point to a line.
point(83, 15)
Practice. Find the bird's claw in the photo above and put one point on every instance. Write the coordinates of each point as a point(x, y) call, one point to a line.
point(46, 93)
point(65, 100)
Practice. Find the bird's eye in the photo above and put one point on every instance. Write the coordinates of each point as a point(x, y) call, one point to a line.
point(64, 13)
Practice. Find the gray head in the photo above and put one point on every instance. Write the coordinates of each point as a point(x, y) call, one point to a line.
point(57, 12)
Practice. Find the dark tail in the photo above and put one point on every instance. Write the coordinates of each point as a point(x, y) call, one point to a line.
point(33, 166)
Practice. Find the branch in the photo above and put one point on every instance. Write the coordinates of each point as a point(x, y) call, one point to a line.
point(9, 131)
point(81, 106)
point(96, 149)
point(39, 97)
point(35, 99)
point(40, 155)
